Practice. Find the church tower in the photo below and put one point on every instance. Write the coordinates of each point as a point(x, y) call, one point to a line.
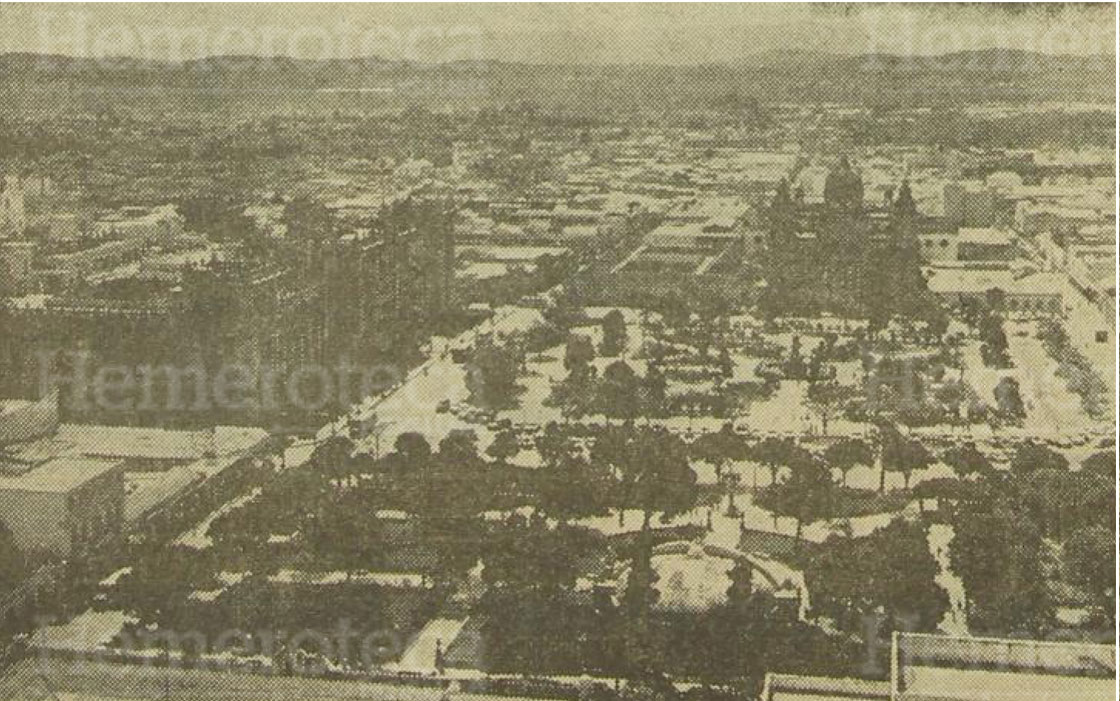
point(843, 189)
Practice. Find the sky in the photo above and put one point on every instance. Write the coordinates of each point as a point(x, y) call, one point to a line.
point(549, 32)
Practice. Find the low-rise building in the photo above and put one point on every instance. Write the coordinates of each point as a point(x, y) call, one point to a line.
point(952, 668)
point(148, 223)
point(985, 244)
point(1026, 294)
point(970, 204)
point(161, 471)
point(938, 246)
point(16, 258)
point(939, 668)
point(65, 506)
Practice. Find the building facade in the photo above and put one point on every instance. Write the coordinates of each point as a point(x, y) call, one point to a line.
point(66, 506)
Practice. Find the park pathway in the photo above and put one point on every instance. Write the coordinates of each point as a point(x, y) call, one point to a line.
point(955, 622)
point(437, 634)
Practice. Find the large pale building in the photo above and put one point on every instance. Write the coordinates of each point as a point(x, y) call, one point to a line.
point(953, 668)
point(66, 506)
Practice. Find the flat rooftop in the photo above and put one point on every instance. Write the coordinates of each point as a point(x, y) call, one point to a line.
point(942, 684)
point(157, 443)
point(795, 687)
point(985, 237)
point(58, 476)
point(980, 280)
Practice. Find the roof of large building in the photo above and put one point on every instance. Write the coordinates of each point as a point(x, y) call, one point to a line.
point(943, 668)
point(985, 237)
point(58, 476)
point(980, 280)
point(953, 668)
point(158, 443)
point(794, 687)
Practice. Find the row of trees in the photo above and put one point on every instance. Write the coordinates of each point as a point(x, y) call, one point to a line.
point(1026, 535)
point(985, 317)
point(535, 621)
point(879, 583)
point(12, 558)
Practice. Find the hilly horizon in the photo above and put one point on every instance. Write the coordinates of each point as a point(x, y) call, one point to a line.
point(763, 57)
point(277, 84)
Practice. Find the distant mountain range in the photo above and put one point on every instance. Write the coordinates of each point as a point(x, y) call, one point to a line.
point(29, 81)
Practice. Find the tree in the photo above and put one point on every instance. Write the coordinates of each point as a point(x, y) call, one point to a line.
point(845, 454)
point(526, 554)
point(346, 536)
point(569, 488)
point(828, 399)
point(1001, 558)
point(553, 444)
point(795, 367)
point(906, 456)
point(492, 374)
point(807, 494)
point(724, 363)
point(1056, 501)
point(459, 449)
point(619, 391)
point(892, 569)
point(773, 452)
point(638, 599)
point(504, 446)
point(412, 451)
point(1030, 456)
point(967, 461)
point(1090, 558)
point(656, 475)
point(161, 579)
point(307, 220)
point(1008, 399)
point(223, 219)
point(10, 555)
point(719, 449)
point(993, 342)
point(578, 354)
point(612, 450)
point(904, 206)
point(654, 386)
point(614, 334)
point(1102, 464)
point(333, 459)
point(740, 592)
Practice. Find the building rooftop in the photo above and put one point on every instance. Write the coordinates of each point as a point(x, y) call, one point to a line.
point(940, 684)
point(944, 668)
point(157, 443)
point(793, 687)
point(980, 280)
point(985, 237)
point(58, 476)
point(953, 668)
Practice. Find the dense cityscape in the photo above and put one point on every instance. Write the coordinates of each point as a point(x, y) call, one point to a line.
point(755, 397)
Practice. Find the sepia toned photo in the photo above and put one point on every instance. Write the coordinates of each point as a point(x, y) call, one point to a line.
point(558, 351)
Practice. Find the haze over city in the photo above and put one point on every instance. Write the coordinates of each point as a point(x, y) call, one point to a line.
point(557, 33)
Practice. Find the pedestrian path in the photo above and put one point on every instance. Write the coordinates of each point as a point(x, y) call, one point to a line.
point(437, 635)
point(955, 621)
